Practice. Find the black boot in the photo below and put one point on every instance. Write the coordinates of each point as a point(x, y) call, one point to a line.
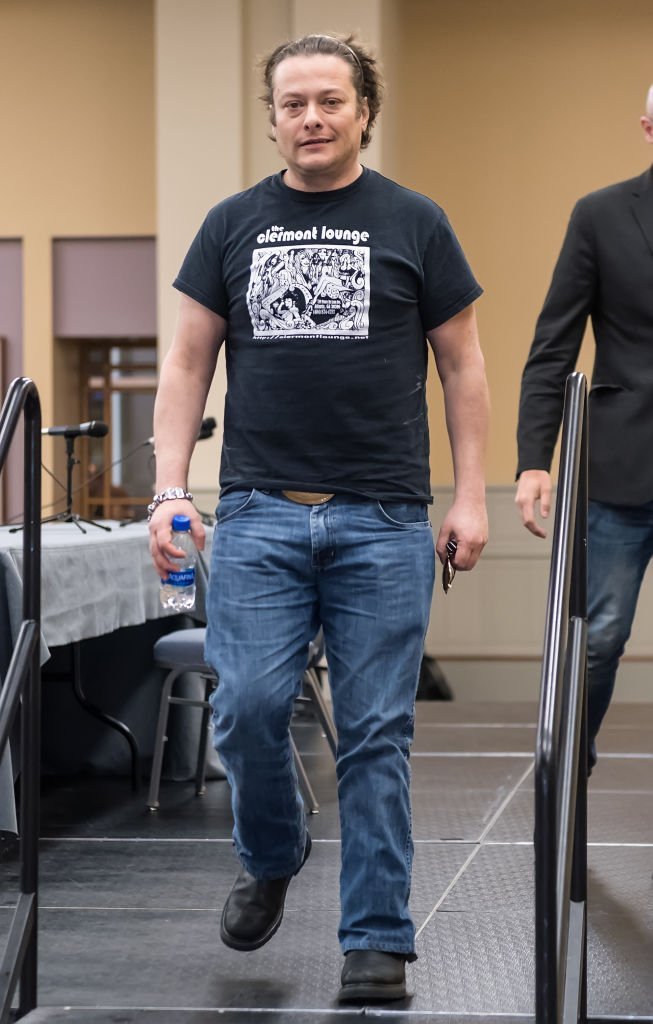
point(372, 976)
point(254, 908)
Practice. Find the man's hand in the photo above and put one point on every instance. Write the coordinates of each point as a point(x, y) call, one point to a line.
point(163, 552)
point(467, 524)
point(534, 485)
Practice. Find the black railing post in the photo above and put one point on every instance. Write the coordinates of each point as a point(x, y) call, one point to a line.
point(30, 790)
point(578, 602)
point(560, 761)
point(19, 962)
point(546, 915)
point(579, 869)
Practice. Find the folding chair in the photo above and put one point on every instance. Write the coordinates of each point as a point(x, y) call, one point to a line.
point(183, 651)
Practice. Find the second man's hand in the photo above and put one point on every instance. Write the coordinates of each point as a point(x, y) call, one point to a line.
point(533, 486)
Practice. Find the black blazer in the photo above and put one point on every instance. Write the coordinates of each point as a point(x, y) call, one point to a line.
point(605, 271)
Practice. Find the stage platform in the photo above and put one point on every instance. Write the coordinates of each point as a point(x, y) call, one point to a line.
point(130, 900)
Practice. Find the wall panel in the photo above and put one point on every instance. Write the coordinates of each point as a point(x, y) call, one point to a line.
point(489, 630)
point(104, 287)
point(11, 335)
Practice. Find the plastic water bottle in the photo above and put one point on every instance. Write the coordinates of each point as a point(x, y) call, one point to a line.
point(178, 588)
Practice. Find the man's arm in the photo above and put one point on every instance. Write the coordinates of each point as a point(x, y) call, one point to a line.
point(556, 344)
point(461, 368)
point(184, 382)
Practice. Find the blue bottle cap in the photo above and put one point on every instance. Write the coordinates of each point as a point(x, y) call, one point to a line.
point(180, 524)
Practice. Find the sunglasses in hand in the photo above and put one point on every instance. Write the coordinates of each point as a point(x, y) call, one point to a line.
point(448, 571)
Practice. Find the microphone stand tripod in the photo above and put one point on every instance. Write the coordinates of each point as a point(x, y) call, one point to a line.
point(67, 515)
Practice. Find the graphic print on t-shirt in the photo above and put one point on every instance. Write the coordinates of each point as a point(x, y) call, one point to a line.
point(310, 291)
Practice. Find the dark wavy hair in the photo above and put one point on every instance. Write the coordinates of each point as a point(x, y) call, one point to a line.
point(365, 74)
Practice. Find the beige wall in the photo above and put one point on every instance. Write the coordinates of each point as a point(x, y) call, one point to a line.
point(77, 117)
point(507, 113)
point(199, 161)
point(504, 113)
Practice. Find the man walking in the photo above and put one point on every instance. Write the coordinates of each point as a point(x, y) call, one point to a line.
point(604, 271)
point(324, 281)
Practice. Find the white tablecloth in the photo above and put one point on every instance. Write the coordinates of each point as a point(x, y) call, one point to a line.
point(92, 584)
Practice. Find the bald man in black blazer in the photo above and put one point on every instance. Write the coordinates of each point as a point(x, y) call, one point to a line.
point(605, 272)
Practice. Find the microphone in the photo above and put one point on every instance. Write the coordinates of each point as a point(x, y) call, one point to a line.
point(93, 428)
point(207, 426)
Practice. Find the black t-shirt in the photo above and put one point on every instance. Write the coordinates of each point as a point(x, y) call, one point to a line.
point(328, 296)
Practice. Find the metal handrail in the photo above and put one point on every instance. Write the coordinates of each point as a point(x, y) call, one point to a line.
point(22, 688)
point(561, 753)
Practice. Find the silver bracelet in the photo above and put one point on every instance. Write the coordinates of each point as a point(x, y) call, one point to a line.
point(169, 494)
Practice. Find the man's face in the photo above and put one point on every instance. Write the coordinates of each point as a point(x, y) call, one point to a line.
point(647, 125)
point(318, 121)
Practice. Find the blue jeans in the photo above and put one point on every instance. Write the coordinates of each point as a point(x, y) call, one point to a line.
point(620, 546)
point(364, 571)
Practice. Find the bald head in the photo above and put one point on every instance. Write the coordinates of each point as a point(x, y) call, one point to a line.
point(649, 104)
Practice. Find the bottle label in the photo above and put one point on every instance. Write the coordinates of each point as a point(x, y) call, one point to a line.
point(181, 578)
